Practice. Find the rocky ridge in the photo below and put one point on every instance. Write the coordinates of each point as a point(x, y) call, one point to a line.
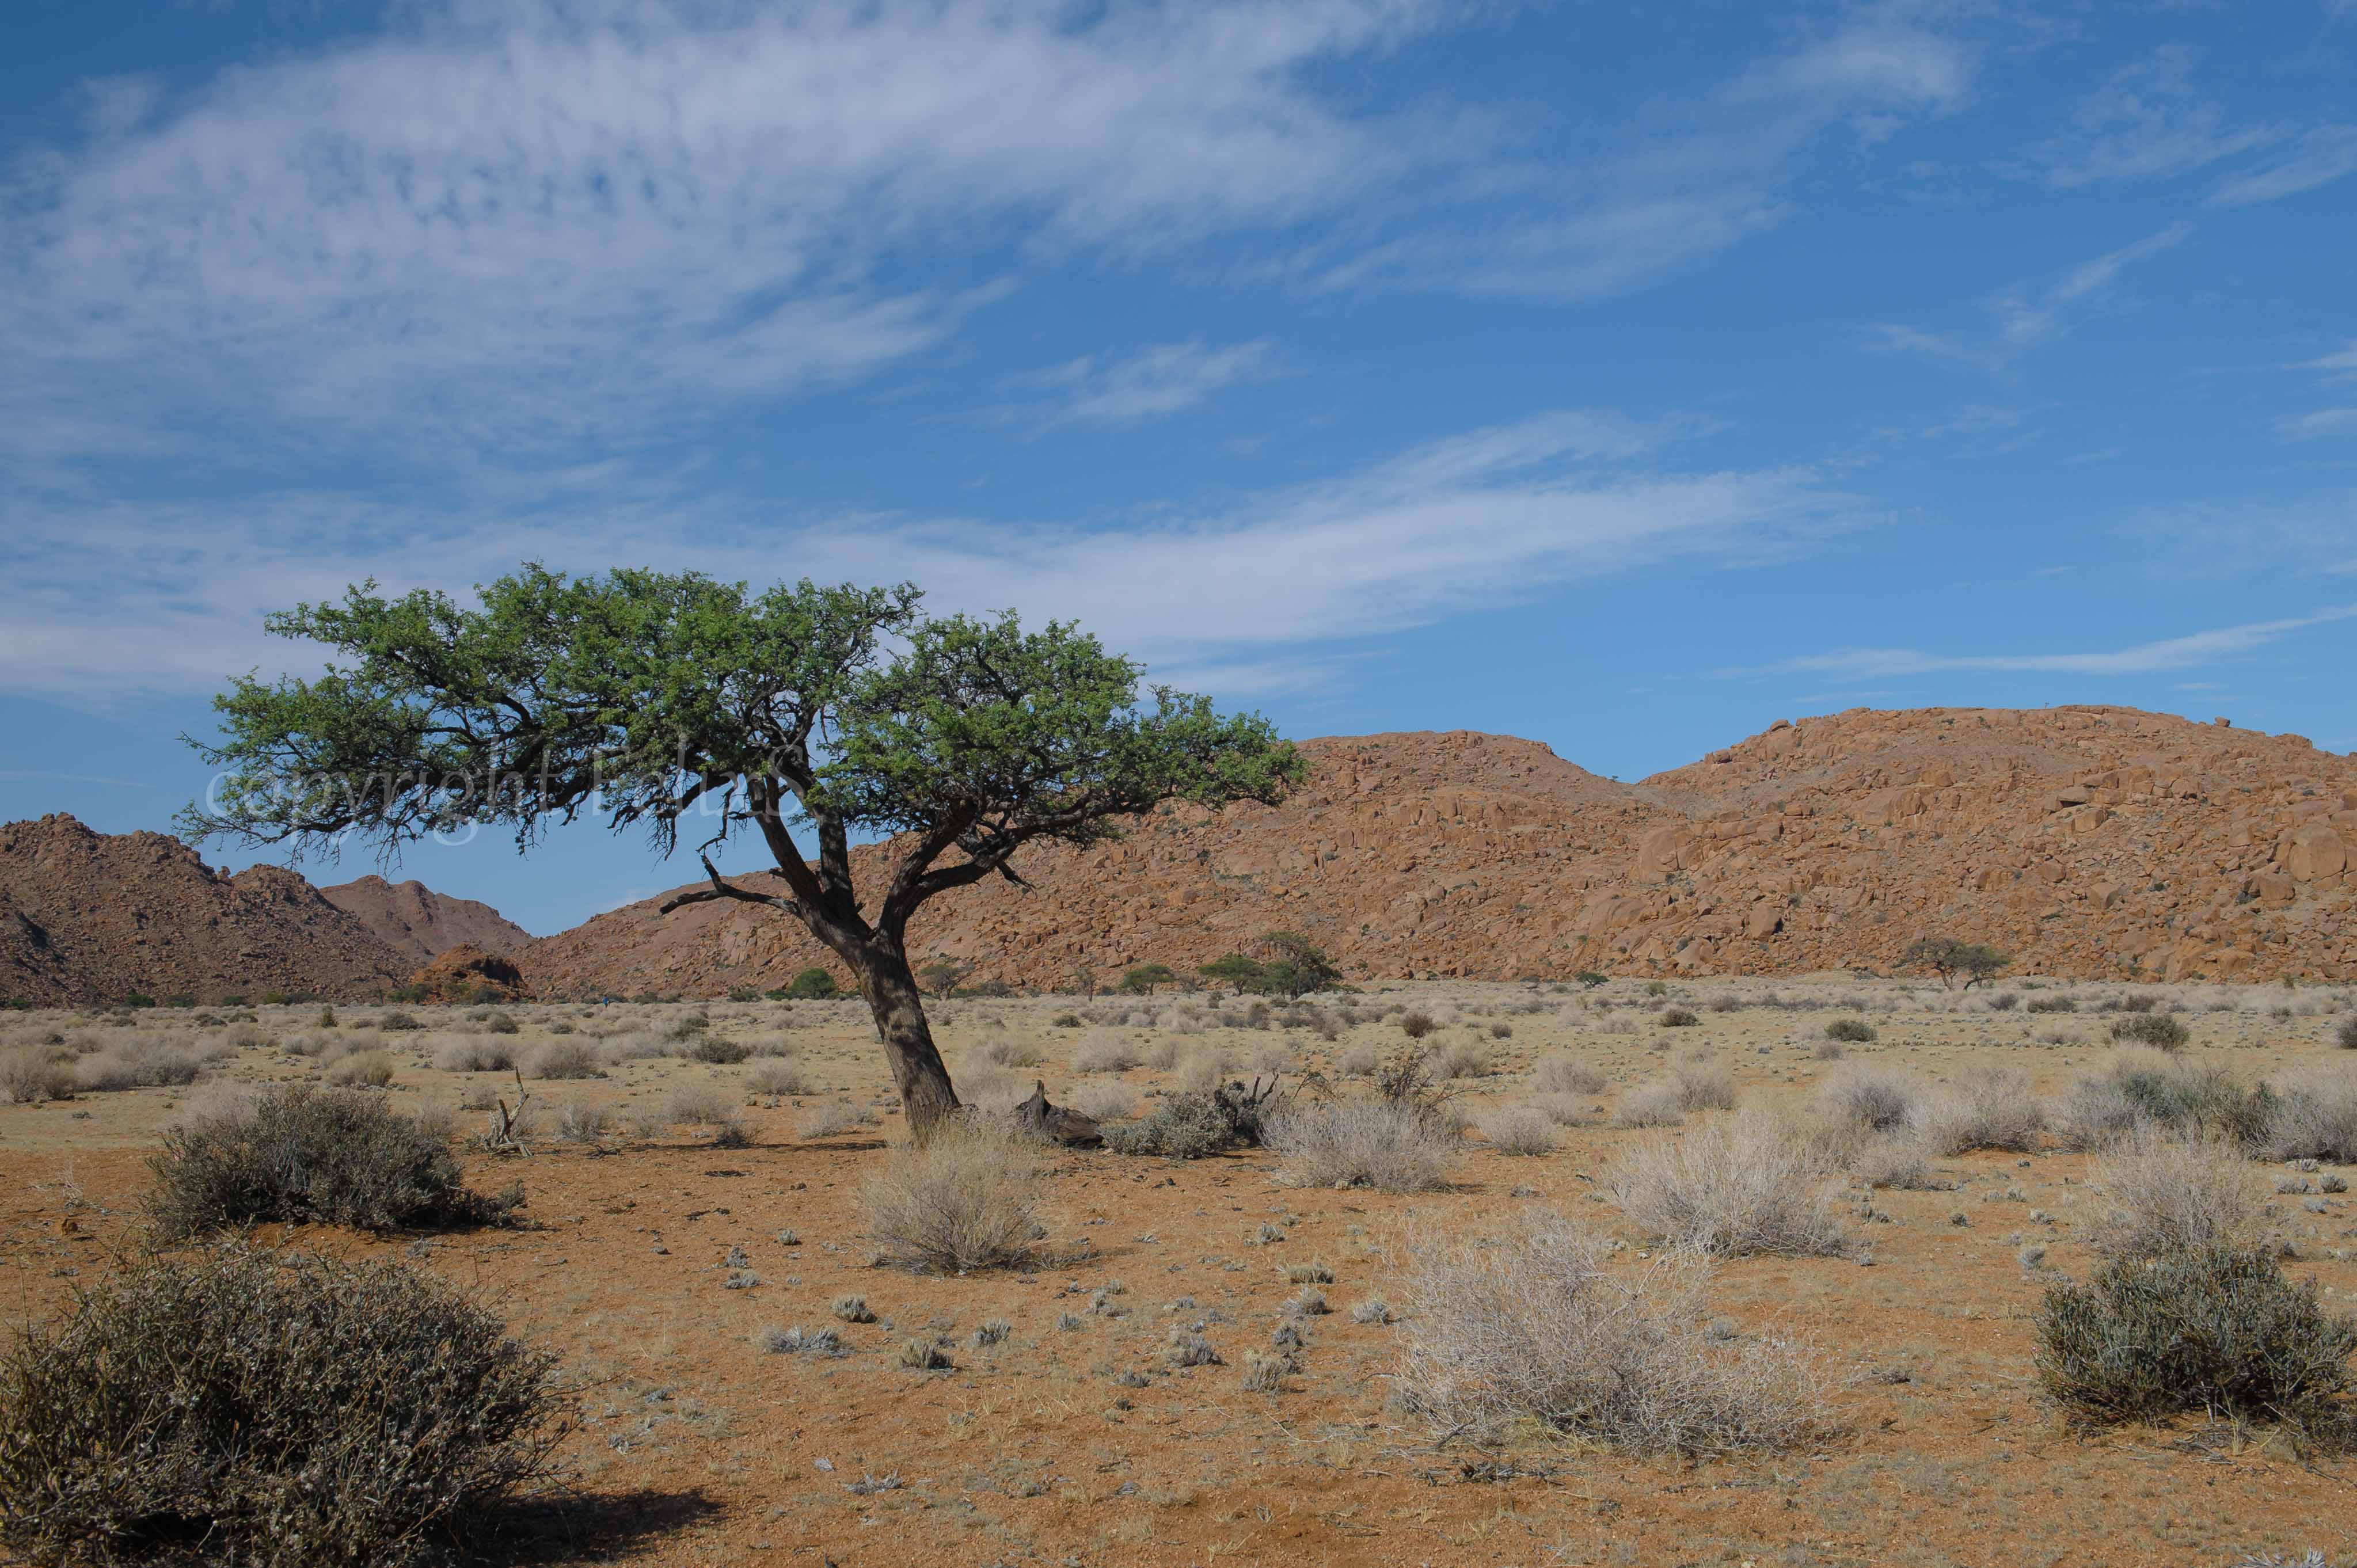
point(420, 924)
point(2085, 841)
point(87, 917)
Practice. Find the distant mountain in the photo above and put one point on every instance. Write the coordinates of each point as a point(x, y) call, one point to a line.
point(420, 924)
point(2084, 840)
point(91, 917)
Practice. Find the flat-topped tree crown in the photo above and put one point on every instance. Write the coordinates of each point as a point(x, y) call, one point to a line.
point(646, 697)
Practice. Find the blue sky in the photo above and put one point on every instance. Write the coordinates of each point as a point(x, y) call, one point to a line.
point(1627, 377)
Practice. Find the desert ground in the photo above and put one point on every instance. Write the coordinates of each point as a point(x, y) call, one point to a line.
point(680, 1212)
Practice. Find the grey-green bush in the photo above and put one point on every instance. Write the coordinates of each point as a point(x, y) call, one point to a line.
point(240, 1407)
point(2209, 1328)
point(333, 1155)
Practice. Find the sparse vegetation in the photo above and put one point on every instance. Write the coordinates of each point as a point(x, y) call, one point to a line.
point(1539, 1328)
point(966, 1198)
point(1851, 1031)
point(326, 1156)
point(1737, 1186)
point(1387, 1145)
point(2161, 1031)
point(2209, 1328)
point(237, 1405)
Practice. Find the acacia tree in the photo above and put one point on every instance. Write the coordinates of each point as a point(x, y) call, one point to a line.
point(652, 699)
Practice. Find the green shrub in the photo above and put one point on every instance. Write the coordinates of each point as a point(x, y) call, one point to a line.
point(2159, 1030)
point(2206, 1099)
point(2215, 1328)
point(328, 1156)
point(1855, 1030)
point(138, 999)
point(1193, 1124)
point(811, 985)
point(1678, 1018)
point(238, 1407)
point(2050, 1005)
point(744, 994)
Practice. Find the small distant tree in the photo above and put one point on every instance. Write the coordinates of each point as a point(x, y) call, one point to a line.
point(941, 976)
point(1295, 966)
point(1590, 978)
point(1142, 980)
point(813, 984)
point(1084, 979)
point(1237, 970)
point(1950, 959)
point(652, 698)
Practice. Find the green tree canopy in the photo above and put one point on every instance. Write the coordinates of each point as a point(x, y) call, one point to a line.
point(1949, 958)
point(1141, 980)
point(659, 700)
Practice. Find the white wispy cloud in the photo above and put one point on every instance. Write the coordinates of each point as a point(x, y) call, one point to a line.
point(2319, 157)
point(1157, 381)
point(2186, 652)
point(2023, 319)
point(2146, 121)
point(2320, 422)
point(543, 222)
point(1689, 181)
point(532, 228)
point(1241, 599)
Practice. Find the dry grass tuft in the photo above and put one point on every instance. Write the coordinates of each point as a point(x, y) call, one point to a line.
point(967, 1198)
point(1391, 1147)
point(2166, 1193)
point(1749, 1184)
point(1537, 1328)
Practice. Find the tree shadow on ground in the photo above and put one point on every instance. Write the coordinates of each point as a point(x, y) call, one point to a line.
point(572, 1526)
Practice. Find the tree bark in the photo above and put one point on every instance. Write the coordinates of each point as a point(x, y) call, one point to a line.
point(899, 1007)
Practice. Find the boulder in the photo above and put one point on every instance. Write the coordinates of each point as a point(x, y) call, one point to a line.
point(467, 973)
point(2317, 851)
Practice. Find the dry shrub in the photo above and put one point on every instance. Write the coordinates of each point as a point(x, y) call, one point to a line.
point(1896, 1160)
point(136, 1064)
point(1990, 1109)
point(1563, 1109)
point(966, 1198)
point(1869, 1099)
point(238, 1406)
point(697, 1105)
point(1519, 1130)
point(1472, 1058)
point(1104, 1101)
point(775, 1078)
point(1561, 1074)
point(2166, 1193)
point(1389, 1146)
point(372, 1068)
point(30, 1074)
point(2313, 1117)
point(331, 1156)
point(1537, 1328)
point(476, 1053)
point(567, 1059)
point(1105, 1055)
point(1704, 1086)
point(1652, 1104)
point(1742, 1185)
point(836, 1118)
point(1010, 1053)
point(2144, 1089)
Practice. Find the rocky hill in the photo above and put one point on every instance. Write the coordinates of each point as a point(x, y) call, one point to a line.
point(90, 917)
point(420, 924)
point(2085, 841)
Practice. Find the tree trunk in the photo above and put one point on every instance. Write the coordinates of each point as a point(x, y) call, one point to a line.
point(923, 1080)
